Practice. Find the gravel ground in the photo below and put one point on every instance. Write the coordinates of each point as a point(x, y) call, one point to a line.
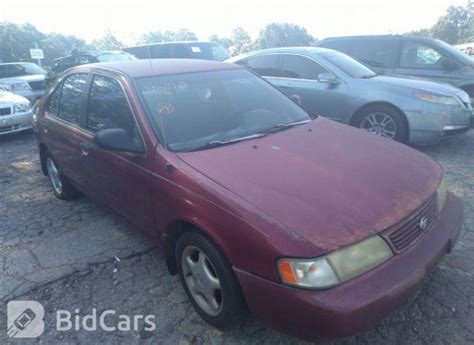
point(64, 255)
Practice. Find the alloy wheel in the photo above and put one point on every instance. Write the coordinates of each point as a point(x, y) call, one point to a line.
point(54, 177)
point(380, 124)
point(202, 280)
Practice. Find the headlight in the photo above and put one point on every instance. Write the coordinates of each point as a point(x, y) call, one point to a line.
point(441, 194)
point(337, 267)
point(447, 100)
point(23, 86)
point(21, 107)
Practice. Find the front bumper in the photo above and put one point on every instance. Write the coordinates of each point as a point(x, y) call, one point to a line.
point(436, 122)
point(15, 123)
point(355, 305)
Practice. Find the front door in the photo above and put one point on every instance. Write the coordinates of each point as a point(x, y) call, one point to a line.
point(421, 60)
point(120, 181)
point(299, 76)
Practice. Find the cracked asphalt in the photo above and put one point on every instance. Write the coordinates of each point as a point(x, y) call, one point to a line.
point(74, 255)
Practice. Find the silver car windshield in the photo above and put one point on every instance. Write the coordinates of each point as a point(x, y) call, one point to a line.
point(350, 66)
point(198, 110)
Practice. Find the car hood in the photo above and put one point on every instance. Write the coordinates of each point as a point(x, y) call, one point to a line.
point(416, 84)
point(331, 183)
point(27, 78)
point(10, 98)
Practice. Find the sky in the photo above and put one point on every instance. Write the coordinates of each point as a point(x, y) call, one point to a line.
point(129, 19)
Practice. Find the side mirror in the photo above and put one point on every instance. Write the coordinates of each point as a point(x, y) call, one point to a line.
point(449, 65)
point(117, 140)
point(296, 99)
point(328, 78)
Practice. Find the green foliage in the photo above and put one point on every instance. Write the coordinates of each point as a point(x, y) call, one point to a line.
point(241, 41)
point(167, 36)
point(223, 41)
point(106, 42)
point(283, 35)
point(17, 40)
point(456, 26)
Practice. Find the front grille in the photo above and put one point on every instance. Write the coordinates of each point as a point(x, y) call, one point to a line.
point(9, 128)
point(409, 230)
point(37, 85)
point(5, 111)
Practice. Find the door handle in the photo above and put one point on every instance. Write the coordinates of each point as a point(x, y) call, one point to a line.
point(85, 148)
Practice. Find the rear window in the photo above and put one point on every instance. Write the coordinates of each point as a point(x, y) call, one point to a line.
point(20, 69)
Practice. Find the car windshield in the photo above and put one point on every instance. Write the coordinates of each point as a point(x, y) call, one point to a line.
point(459, 55)
point(200, 110)
point(20, 69)
point(350, 66)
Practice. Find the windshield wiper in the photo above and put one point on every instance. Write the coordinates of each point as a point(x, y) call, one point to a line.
point(216, 143)
point(281, 126)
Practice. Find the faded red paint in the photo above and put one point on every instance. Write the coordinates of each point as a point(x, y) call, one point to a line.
point(300, 193)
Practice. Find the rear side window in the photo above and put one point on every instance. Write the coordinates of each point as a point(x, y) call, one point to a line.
point(53, 101)
point(299, 67)
point(419, 55)
point(265, 65)
point(108, 107)
point(73, 89)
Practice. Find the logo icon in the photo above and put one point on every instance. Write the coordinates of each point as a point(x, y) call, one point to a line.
point(25, 319)
point(423, 223)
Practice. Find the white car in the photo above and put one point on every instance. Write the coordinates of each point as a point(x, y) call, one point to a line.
point(23, 78)
point(15, 112)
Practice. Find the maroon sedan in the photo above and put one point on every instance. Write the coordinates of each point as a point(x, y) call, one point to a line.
point(317, 227)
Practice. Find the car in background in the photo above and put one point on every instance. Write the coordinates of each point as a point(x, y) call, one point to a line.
point(317, 227)
point(15, 112)
point(408, 56)
point(329, 83)
point(82, 58)
point(180, 50)
point(23, 78)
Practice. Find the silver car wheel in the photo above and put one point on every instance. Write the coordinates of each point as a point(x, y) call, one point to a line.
point(380, 124)
point(202, 280)
point(53, 174)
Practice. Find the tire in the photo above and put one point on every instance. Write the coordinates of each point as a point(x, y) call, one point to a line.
point(372, 118)
point(61, 186)
point(230, 305)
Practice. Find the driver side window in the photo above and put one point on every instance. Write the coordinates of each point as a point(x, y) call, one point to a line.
point(300, 67)
point(416, 55)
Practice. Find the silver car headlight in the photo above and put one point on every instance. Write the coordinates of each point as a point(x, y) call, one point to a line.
point(442, 193)
point(336, 267)
point(23, 86)
point(21, 107)
point(446, 100)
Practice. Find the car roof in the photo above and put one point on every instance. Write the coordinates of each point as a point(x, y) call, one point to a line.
point(172, 42)
point(157, 67)
point(369, 37)
point(295, 50)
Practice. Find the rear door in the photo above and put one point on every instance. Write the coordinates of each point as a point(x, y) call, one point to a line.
point(64, 113)
point(422, 60)
point(299, 76)
point(120, 181)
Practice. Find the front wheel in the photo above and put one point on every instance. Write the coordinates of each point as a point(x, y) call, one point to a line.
point(209, 280)
point(383, 121)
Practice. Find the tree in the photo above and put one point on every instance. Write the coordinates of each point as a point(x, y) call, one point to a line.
point(283, 35)
point(57, 45)
point(17, 40)
point(167, 36)
point(223, 41)
point(241, 41)
point(106, 42)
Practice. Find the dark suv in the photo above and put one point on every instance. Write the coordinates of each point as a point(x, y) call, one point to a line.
point(180, 50)
point(409, 56)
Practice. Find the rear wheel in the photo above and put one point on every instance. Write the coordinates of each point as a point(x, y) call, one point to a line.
point(62, 188)
point(383, 121)
point(209, 280)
